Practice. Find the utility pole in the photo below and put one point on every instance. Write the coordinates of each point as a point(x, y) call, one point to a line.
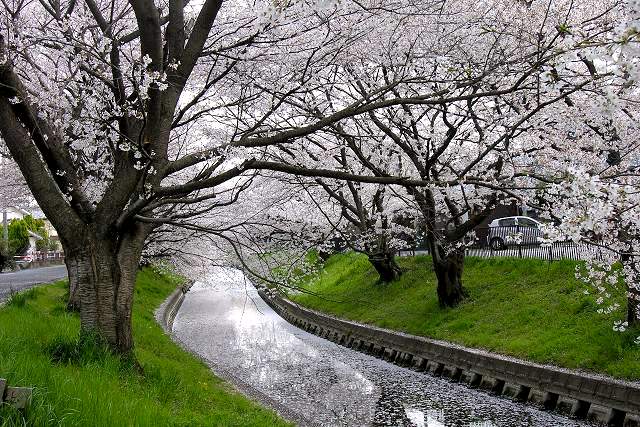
point(4, 250)
point(5, 233)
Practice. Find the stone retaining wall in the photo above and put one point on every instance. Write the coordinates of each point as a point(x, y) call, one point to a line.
point(576, 394)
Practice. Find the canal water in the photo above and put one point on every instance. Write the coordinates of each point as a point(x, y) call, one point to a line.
point(316, 382)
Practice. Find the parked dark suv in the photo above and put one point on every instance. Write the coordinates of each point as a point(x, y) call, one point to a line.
point(513, 230)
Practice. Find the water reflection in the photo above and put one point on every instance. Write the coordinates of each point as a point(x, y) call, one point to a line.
point(224, 320)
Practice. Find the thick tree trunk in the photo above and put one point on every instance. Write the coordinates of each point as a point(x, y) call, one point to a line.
point(632, 267)
point(102, 275)
point(99, 290)
point(386, 266)
point(448, 269)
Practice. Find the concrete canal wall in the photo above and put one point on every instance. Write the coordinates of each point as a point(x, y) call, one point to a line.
point(166, 313)
point(576, 394)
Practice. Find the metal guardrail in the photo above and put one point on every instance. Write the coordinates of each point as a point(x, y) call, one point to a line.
point(39, 256)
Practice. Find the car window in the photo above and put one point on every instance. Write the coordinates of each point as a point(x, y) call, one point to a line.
point(526, 222)
point(507, 222)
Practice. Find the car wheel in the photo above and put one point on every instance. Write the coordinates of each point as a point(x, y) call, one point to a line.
point(497, 244)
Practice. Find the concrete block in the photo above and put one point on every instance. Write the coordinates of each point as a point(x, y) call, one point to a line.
point(498, 387)
point(391, 355)
point(616, 418)
point(487, 383)
point(598, 413)
point(604, 389)
point(466, 376)
point(618, 393)
point(589, 386)
point(376, 350)
point(523, 393)
point(387, 353)
point(408, 360)
point(438, 369)
point(633, 397)
point(550, 401)
point(18, 397)
point(455, 376)
point(632, 420)
point(566, 405)
point(420, 364)
point(476, 379)
point(448, 371)
point(370, 348)
point(579, 408)
point(536, 397)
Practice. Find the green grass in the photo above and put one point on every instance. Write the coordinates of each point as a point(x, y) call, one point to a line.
point(89, 386)
point(525, 308)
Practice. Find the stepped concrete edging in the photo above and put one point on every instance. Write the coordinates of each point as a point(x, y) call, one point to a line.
point(572, 393)
point(166, 313)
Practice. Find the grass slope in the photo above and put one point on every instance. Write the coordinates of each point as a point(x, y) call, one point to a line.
point(174, 388)
point(525, 308)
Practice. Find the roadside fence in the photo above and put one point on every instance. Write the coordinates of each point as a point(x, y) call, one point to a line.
point(519, 242)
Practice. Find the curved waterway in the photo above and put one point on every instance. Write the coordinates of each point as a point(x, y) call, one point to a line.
point(316, 382)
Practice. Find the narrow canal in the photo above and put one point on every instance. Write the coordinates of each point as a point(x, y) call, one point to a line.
point(317, 382)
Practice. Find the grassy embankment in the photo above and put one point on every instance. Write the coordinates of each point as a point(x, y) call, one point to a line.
point(168, 386)
point(525, 308)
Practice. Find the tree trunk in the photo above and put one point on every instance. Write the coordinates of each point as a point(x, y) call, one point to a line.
point(448, 269)
point(633, 306)
point(632, 277)
point(73, 273)
point(102, 276)
point(386, 266)
point(99, 285)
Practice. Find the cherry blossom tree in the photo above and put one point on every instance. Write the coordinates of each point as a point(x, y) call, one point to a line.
point(108, 137)
point(128, 117)
point(509, 81)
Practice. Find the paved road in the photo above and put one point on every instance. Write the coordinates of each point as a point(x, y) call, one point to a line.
point(25, 279)
point(320, 383)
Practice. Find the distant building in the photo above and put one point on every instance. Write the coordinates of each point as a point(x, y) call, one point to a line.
point(33, 240)
point(14, 212)
point(53, 234)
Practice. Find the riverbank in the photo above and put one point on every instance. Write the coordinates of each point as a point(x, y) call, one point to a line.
point(96, 388)
point(226, 322)
point(528, 309)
